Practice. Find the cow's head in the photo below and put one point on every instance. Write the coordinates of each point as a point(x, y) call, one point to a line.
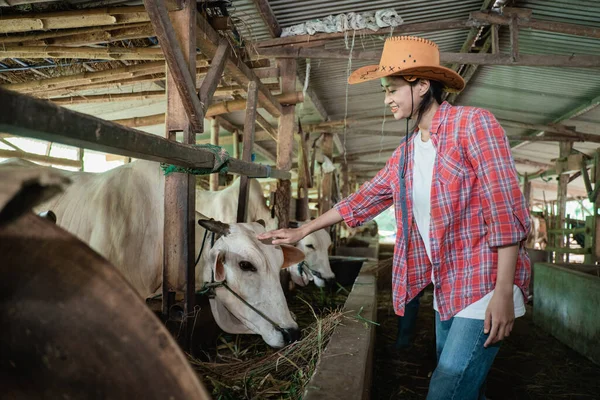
point(251, 270)
point(316, 268)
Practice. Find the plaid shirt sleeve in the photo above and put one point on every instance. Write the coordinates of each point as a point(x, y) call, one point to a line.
point(371, 199)
point(503, 204)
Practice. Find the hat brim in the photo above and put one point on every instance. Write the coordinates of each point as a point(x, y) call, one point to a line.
point(452, 81)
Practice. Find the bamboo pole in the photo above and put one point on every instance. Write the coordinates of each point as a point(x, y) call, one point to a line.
point(216, 109)
point(73, 19)
point(94, 53)
point(64, 162)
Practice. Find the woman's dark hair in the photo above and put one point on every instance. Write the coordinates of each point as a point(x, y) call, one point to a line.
point(433, 94)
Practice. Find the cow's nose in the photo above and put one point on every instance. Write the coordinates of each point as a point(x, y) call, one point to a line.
point(290, 335)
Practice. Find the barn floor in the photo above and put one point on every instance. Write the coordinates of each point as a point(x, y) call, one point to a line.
point(530, 365)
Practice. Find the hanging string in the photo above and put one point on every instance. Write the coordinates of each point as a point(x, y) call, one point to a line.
point(382, 136)
point(306, 79)
point(348, 71)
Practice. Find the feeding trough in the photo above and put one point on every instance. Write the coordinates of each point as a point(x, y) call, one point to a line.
point(346, 269)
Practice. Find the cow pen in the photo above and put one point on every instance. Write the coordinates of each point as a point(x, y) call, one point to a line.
point(253, 96)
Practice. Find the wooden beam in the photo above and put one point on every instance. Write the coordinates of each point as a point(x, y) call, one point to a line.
point(75, 80)
point(541, 25)
point(542, 138)
point(546, 60)
point(264, 153)
point(207, 38)
point(109, 35)
point(533, 163)
point(93, 53)
point(211, 81)
point(214, 140)
point(138, 96)
point(12, 146)
point(23, 115)
point(249, 125)
point(176, 61)
point(109, 98)
point(470, 70)
point(263, 123)
point(399, 30)
point(553, 187)
point(573, 113)
point(304, 178)
point(63, 162)
point(229, 126)
point(214, 110)
point(327, 182)
point(72, 19)
point(266, 12)
point(41, 37)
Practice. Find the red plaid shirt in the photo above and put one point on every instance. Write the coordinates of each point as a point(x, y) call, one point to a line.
point(476, 206)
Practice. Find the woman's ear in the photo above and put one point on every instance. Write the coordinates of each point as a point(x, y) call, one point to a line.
point(424, 85)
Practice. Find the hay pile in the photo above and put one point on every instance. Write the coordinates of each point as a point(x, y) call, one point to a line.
point(244, 367)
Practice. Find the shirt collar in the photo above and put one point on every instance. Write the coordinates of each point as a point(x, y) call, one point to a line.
point(440, 115)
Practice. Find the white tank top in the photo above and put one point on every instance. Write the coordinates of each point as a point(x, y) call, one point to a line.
point(424, 161)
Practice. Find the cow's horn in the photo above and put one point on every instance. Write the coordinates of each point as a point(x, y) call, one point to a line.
point(217, 227)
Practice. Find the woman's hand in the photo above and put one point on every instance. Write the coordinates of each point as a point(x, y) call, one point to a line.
point(285, 236)
point(499, 316)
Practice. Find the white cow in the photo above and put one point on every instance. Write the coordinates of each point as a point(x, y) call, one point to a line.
point(222, 205)
point(120, 214)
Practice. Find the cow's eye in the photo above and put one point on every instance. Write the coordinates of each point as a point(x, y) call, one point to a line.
point(310, 246)
point(247, 266)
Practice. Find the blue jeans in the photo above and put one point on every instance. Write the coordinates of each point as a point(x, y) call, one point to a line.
point(463, 362)
point(407, 323)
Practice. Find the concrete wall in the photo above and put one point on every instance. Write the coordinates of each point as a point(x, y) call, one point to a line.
point(345, 369)
point(566, 303)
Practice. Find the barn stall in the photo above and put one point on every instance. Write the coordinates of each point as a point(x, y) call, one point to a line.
point(124, 80)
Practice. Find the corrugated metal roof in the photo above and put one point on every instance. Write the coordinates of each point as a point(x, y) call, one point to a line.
point(542, 95)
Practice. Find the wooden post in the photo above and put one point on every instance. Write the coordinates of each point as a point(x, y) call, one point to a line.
point(345, 180)
point(495, 39)
point(179, 228)
point(514, 38)
point(302, 211)
point(285, 143)
point(527, 191)
point(80, 157)
point(327, 183)
point(249, 126)
point(214, 140)
point(236, 144)
point(563, 180)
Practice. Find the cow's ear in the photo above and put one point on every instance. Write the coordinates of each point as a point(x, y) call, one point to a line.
point(219, 266)
point(218, 227)
point(291, 255)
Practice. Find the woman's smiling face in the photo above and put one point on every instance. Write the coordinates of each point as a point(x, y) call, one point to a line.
point(397, 96)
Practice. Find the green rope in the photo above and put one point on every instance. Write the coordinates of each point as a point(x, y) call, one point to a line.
point(221, 162)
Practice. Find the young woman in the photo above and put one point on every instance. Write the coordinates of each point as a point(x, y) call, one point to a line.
point(460, 214)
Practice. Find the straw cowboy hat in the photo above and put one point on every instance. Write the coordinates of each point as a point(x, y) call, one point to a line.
point(412, 58)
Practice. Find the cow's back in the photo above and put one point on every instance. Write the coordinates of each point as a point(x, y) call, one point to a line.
point(120, 214)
